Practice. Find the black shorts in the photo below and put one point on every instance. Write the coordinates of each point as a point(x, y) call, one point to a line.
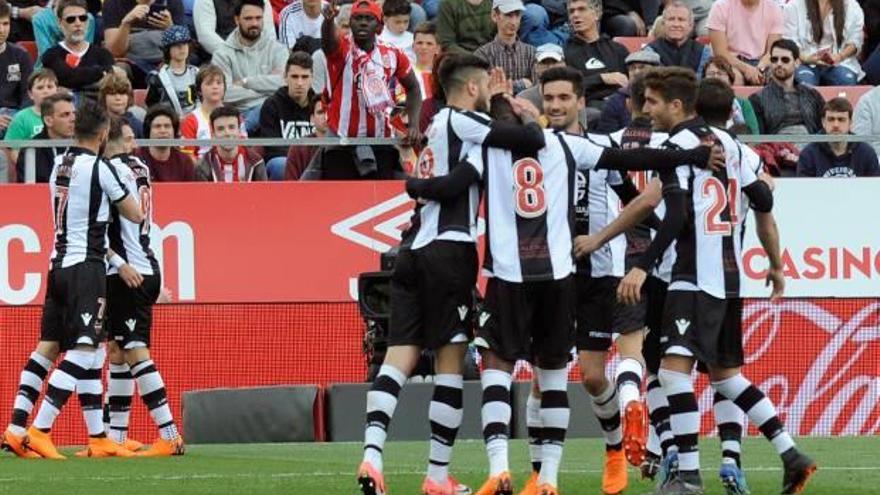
point(75, 305)
point(432, 295)
point(654, 297)
point(130, 311)
point(697, 324)
point(599, 315)
point(533, 321)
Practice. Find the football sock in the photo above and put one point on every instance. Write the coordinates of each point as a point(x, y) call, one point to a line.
point(554, 418)
point(729, 420)
point(381, 402)
point(607, 410)
point(534, 425)
point(444, 413)
point(151, 388)
point(684, 417)
point(62, 383)
point(759, 409)
point(120, 389)
point(496, 418)
point(30, 382)
point(658, 412)
point(89, 390)
point(629, 381)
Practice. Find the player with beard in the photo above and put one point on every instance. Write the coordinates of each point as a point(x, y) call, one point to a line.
point(529, 307)
point(436, 268)
point(702, 221)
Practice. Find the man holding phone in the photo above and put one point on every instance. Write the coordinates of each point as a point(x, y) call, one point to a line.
point(133, 30)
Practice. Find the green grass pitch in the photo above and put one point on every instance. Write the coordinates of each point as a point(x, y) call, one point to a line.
point(847, 466)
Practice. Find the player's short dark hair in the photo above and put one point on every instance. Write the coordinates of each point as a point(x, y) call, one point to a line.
point(224, 111)
point(161, 110)
point(47, 106)
point(715, 101)
point(787, 44)
point(564, 73)
point(5, 10)
point(637, 91)
point(116, 126)
point(299, 59)
point(39, 75)
point(63, 4)
point(674, 83)
point(456, 69)
point(838, 104)
point(427, 27)
point(395, 7)
point(91, 118)
point(240, 4)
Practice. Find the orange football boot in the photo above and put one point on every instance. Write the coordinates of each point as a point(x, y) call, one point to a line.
point(614, 476)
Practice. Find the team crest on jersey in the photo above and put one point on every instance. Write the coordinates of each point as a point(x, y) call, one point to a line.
point(425, 168)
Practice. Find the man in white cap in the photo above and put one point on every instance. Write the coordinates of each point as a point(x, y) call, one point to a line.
point(615, 115)
point(506, 51)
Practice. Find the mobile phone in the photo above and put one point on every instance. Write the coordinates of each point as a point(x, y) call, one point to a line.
point(157, 7)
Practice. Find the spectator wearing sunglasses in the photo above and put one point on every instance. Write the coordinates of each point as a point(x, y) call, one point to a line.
point(786, 106)
point(78, 64)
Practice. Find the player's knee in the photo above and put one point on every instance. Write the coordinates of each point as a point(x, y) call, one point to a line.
point(48, 350)
point(134, 356)
point(629, 345)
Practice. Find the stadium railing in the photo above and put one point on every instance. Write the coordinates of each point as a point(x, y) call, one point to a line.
point(30, 145)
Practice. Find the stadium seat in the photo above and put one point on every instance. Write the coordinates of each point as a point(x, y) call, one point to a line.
point(30, 47)
point(140, 97)
point(852, 93)
point(633, 43)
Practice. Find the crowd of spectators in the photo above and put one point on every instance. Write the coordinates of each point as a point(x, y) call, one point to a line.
point(292, 69)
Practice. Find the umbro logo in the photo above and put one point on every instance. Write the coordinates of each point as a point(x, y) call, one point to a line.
point(682, 325)
point(130, 323)
point(86, 318)
point(484, 317)
point(462, 312)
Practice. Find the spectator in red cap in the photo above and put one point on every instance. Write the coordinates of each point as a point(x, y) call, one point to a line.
point(361, 72)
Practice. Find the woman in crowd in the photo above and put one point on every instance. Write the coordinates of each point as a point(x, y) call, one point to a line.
point(830, 34)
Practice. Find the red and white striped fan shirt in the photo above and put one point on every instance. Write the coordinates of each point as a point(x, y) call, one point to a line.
point(347, 115)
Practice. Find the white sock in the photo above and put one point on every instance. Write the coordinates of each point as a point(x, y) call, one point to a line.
point(381, 402)
point(495, 415)
point(445, 414)
point(629, 381)
point(761, 412)
point(555, 414)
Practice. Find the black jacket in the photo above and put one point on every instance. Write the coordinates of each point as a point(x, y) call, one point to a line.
point(45, 159)
point(687, 55)
point(594, 59)
point(96, 62)
point(769, 105)
point(282, 117)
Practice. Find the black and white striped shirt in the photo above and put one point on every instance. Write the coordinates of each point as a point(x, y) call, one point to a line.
point(82, 186)
point(130, 240)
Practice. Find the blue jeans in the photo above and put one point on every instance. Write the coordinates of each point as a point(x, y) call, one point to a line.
point(252, 119)
point(431, 7)
point(872, 68)
point(817, 75)
point(535, 28)
point(275, 167)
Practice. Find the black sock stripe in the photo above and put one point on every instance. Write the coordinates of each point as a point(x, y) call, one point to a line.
point(551, 399)
point(119, 401)
point(118, 428)
point(535, 432)
point(91, 375)
point(653, 384)
point(155, 399)
point(442, 433)
point(730, 431)
point(71, 369)
point(166, 425)
point(378, 418)
point(144, 371)
point(20, 417)
point(659, 415)
point(57, 396)
point(374, 447)
point(437, 463)
point(613, 397)
point(717, 397)
point(629, 376)
point(772, 428)
point(610, 424)
point(679, 403)
point(730, 454)
point(687, 442)
point(451, 396)
point(385, 384)
point(496, 393)
point(554, 435)
point(121, 375)
point(493, 430)
point(36, 368)
point(748, 398)
point(28, 392)
point(90, 401)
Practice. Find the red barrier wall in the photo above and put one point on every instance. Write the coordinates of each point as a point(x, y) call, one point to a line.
point(819, 359)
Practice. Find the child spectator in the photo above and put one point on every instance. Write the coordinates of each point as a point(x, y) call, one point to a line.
point(396, 18)
point(116, 95)
point(174, 83)
point(28, 122)
point(210, 90)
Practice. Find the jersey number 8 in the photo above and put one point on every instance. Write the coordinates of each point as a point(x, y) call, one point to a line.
point(529, 197)
point(713, 189)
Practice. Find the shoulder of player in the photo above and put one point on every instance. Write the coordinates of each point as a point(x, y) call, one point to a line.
point(479, 117)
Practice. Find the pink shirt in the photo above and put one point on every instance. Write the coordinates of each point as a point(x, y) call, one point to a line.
point(747, 29)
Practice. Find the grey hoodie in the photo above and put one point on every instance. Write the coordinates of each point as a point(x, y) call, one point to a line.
point(262, 64)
